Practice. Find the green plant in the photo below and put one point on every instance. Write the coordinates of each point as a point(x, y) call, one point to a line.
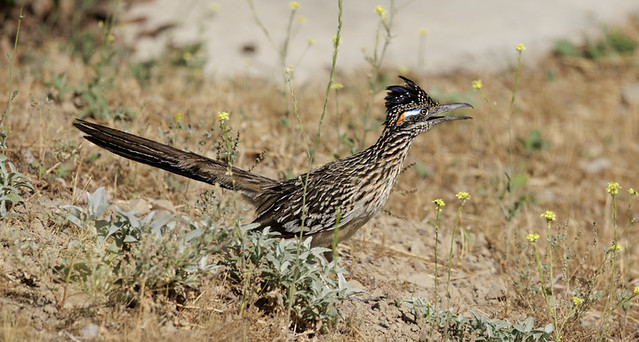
point(584, 287)
point(476, 328)
point(143, 72)
point(94, 93)
point(309, 287)
point(155, 251)
point(613, 190)
point(509, 199)
point(613, 43)
point(62, 88)
point(10, 181)
point(534, 142)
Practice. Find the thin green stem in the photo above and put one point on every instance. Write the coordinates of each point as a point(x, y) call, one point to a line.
point(437, 217)
point(375, 61)
point(510, 155)
point(613, 273)
point(260, 24)
point(483, 96)
point(338, 38)
point(12, 93)
point(543, 291)
point(631, 220)
point(550, 270)
point(452, 242)
point(336, 235)
point(338, 123)
point(512, 100)
point(284, 50)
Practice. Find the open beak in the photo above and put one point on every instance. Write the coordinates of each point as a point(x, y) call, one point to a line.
point(436, 116)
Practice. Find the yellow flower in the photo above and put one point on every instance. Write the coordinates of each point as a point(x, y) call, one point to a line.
point(477, 84)
point(463, 195)
point(549, 215)
point(613, 188)
point(294, 5)
point(439, 203)
point(336, 86)
point(381, 11)
point(636, 290)
point(402, 70)
point(423, 31)
point(615, 248)
point(532, 237)
point(520, 47)
point(110, 37)
point(310, 40)
point(223, 116)
point(577, 300)
point(179, 118)
point(100, 24)
point(633, 192)
point(214, 7)
point(301, 19)
point(187, 56)
point(289, 70)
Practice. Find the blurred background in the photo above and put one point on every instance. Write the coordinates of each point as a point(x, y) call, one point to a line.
point(427, 36)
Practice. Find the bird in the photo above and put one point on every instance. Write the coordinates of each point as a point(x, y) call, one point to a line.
point(341, 195)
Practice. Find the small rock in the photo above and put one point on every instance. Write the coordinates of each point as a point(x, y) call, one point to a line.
point(141, 206)
point(597, 165)
point(28, 156)
point(630, 94)
point(90, 331)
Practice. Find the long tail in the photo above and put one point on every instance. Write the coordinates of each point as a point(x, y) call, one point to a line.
point(171, 159)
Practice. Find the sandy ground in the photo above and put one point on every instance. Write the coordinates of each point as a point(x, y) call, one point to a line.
point(461, 35)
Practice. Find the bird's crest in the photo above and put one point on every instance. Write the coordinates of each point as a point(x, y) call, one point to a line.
point(403, 98)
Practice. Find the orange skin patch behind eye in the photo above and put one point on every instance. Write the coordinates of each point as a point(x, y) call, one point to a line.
point(401, 117)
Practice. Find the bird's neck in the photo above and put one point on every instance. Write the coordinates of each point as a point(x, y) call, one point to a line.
point(392, 146)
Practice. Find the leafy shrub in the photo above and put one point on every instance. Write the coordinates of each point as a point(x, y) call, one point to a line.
point(10, 181)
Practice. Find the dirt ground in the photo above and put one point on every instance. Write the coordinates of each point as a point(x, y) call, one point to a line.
point(586, 111)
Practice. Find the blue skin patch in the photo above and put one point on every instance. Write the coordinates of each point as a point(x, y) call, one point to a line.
point(408, 113)
point(412, 112)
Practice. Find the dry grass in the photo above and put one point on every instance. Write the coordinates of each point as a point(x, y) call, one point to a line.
point(576, 104)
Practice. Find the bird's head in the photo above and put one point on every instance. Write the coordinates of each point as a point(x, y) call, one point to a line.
point(409, 108)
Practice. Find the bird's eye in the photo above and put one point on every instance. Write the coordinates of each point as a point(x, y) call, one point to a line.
point(424, 111)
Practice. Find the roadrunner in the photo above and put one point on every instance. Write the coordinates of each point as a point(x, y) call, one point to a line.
point(342, 194)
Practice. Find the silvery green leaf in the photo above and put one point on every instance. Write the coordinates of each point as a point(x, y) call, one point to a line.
point(130, 238)
point(549, 328)
point(97, 203)
point(112, 230)
point(193, 234)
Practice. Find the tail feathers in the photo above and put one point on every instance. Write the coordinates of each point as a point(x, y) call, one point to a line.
point(187, 164)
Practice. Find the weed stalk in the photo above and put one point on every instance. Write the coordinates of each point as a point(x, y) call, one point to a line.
point(463, 197)
point(12, 93)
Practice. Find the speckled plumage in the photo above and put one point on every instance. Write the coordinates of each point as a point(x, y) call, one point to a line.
point(354, 188)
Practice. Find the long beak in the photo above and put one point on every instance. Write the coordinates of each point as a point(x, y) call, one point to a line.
point(437, 118)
